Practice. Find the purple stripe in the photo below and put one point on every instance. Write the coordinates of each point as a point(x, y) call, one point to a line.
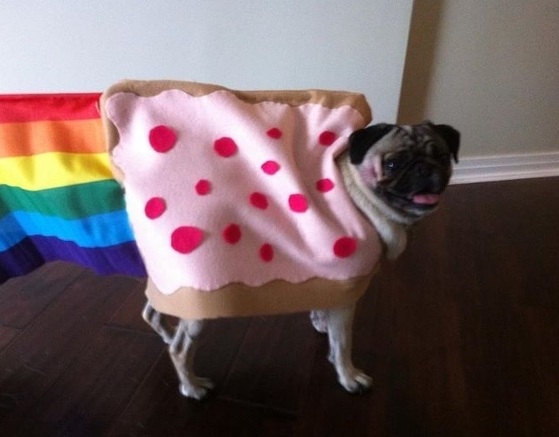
point(33, 252)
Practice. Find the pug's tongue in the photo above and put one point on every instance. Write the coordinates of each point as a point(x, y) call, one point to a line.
point(426, 199)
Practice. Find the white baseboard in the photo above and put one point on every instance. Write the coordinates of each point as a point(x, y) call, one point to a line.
point(506, 167)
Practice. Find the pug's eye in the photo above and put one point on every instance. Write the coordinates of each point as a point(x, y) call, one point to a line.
point(391, 165)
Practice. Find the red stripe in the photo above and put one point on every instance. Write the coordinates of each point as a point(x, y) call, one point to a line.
point(17, 108)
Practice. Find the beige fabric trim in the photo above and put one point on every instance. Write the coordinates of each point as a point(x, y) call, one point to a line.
point(276, 297)
point(326, 98)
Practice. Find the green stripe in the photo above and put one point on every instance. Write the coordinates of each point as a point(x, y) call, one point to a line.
point(69, 202)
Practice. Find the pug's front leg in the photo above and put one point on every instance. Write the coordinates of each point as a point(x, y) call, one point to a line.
point(340, 335)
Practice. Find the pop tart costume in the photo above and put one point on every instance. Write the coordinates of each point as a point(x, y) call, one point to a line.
point(235, 198)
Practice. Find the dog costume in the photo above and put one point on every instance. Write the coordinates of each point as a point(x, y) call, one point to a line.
point(235, 198)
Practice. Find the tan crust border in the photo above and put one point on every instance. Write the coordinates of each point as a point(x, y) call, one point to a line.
point(326, 98)
point(276, 297)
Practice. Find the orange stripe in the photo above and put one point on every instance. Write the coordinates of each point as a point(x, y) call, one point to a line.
point(32, 138)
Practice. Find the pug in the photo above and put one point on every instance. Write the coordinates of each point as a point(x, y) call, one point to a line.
point(395, 175)
point(400, 172)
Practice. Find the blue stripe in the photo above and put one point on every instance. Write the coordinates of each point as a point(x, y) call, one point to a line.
point(99, 230)
point(33, 252)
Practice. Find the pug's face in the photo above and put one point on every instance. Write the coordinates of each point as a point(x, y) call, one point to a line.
point(406, 166)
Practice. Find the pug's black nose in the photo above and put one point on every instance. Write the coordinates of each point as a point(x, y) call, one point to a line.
point(437, 181)
point(422, 170)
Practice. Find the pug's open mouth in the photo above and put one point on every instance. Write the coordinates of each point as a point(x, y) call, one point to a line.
point(426, 199)
point(417, 201)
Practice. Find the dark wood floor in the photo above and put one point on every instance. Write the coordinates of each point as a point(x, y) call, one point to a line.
point(461, 335)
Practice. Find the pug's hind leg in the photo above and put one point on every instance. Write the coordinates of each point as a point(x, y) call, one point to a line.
point(340, 324)
point(158, 322)
point(182, 350)
point(319, 320)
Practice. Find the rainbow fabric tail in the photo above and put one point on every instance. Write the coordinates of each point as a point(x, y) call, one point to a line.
point(58, 199)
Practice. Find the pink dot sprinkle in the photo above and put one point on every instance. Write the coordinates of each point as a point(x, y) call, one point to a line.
point(270, 167)
point(225, 147)
point(274, 133)
point(327, 138)
point(232, 234)
point(162, 138)
point(186, 239)
point(324, 185)
point(345, 247)
point(266, 252)
point(155, 207)
point(258, 200)
point(298, 203)
point(203, 187)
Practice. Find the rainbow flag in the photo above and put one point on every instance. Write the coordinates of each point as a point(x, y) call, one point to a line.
point(58, 199)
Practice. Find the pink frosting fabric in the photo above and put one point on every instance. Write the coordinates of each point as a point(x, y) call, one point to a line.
point(221, 191)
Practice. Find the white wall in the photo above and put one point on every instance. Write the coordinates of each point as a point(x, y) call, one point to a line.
point(74, 46)
point(491, 68)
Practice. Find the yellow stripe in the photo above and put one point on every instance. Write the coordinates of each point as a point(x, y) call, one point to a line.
point(69, 136)
point(52, 170)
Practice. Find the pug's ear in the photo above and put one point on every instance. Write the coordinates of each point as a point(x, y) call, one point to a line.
point(451, 137)
point(362, 140)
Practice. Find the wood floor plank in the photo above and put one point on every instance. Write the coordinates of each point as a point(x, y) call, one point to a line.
point(274, 362)
point(540, 362)
point(158, 407)
point(7, 335)
point(53, 342)
point(22, 299)
point(128, 315)
point(87, 399)
point(328, 410)
point(213, 417)
point(510, 265)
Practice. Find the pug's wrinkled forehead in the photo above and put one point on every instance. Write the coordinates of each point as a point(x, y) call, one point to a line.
point(389, 138)
point(420, 138)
